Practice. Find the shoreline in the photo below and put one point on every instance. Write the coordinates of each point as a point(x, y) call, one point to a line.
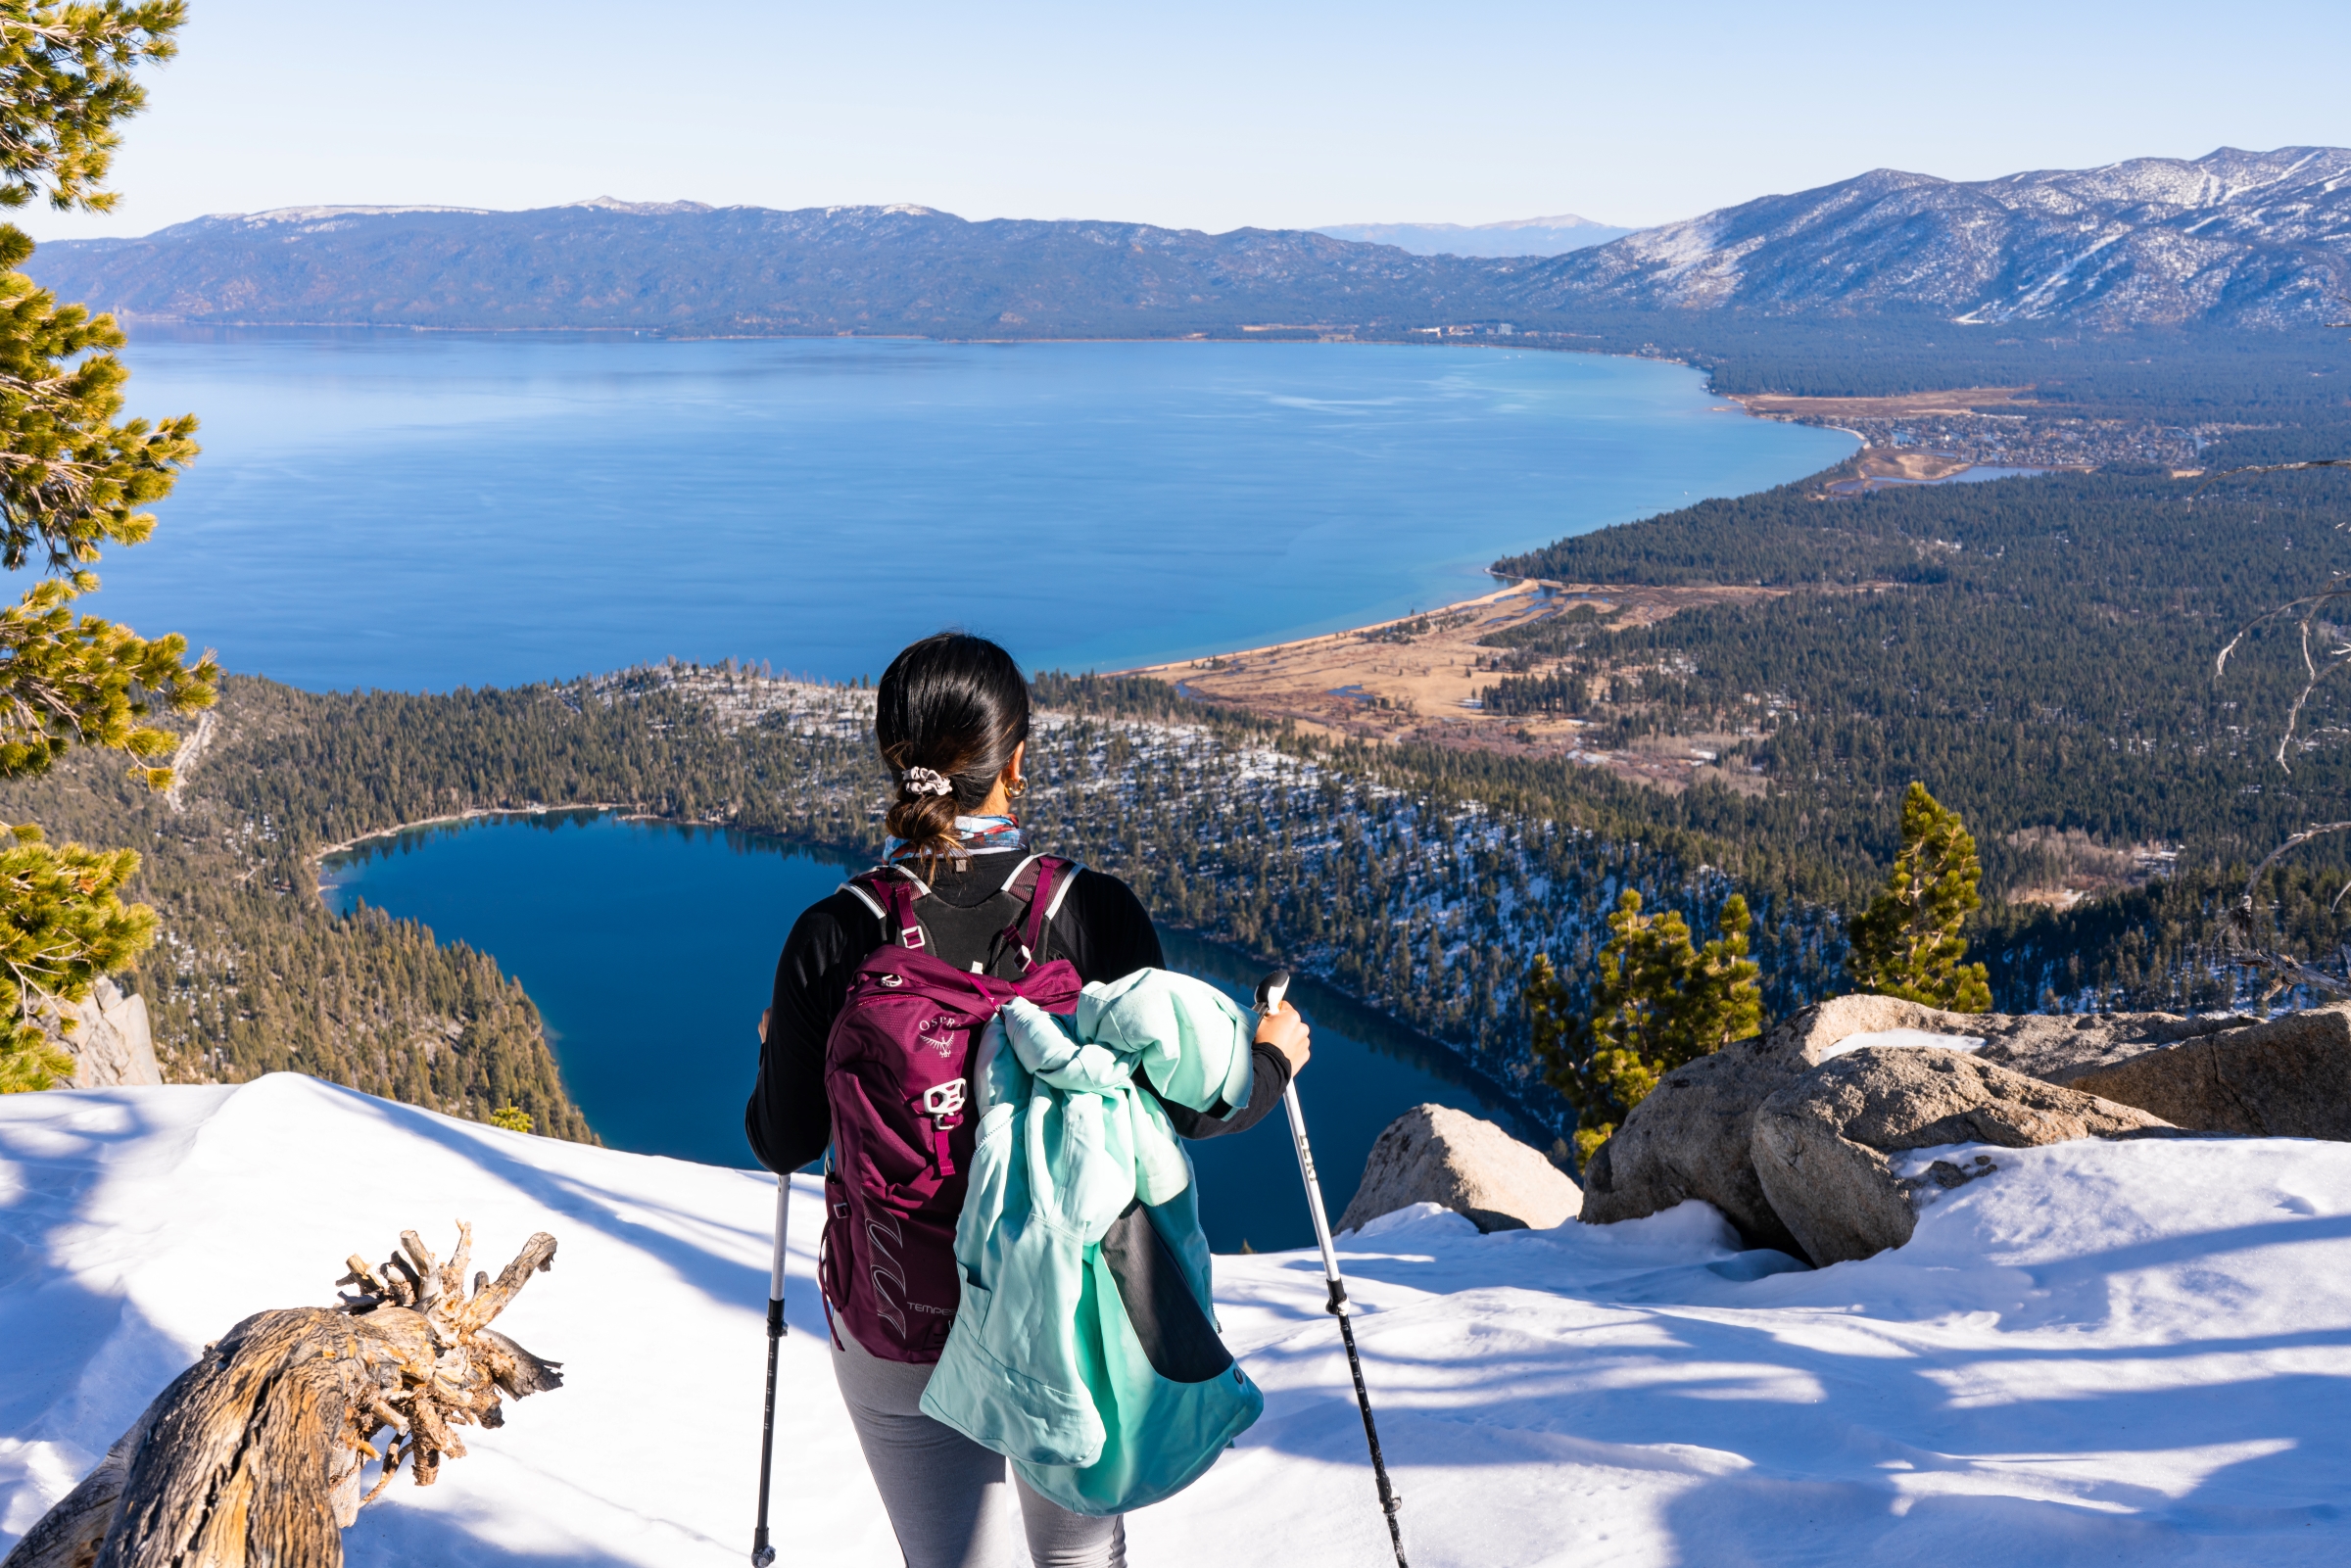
point(1240, 334)
point(1421, 677)
point(629, 811)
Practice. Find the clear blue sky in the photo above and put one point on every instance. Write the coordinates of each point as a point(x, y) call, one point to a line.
point(1207, 115)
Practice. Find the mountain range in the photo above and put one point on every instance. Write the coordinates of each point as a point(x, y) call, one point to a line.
point(1524, 236)
point(2254, 239)
point(683, 267)
point(2233, 239)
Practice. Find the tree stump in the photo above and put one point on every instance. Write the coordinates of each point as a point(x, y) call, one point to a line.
point(255, 1456)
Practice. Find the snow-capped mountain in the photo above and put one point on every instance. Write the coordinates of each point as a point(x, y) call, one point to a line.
point(2257, 239)
point(2242, 239)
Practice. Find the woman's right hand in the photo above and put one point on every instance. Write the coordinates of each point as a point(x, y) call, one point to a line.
point(1286, 1033)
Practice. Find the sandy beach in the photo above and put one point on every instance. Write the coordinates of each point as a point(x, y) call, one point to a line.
point(1420, 677)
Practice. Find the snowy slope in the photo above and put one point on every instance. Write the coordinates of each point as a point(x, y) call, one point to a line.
point(2247, 238)
point(2101, 1353)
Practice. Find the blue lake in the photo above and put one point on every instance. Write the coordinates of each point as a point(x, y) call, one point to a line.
point(422, 512)
point(650, 950)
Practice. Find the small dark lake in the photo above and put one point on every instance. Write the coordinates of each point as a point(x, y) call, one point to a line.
point(650, 948)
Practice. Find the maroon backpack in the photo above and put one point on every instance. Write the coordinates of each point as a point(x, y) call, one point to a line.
point(898, 1077)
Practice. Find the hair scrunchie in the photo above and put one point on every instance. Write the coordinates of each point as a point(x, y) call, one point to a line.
point(924, 781)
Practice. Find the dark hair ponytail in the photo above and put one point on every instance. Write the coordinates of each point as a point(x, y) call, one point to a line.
point(955, 705)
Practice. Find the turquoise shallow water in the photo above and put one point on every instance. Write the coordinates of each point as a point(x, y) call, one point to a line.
point(650, 950)
point(424, 511)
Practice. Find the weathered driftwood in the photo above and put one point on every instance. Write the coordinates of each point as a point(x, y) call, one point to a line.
point(255, 1454)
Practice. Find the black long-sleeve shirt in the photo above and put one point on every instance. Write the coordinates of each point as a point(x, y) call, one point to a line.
point(1101, 928)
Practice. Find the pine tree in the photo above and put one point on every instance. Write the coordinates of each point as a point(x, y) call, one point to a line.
point(1909, 943)
point(72, 478)
point(1656, 1003)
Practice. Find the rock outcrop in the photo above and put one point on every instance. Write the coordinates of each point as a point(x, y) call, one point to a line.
point(1697, 1135)
point(1690, 1137)
point(1820, 1144)
point(111, 1043)
point(2287, 1078)
point(1434, 1153)
point(2061, 1049)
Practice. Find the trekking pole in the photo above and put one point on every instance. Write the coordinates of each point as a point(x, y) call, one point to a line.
point(1270, 993)
point(762, 1553)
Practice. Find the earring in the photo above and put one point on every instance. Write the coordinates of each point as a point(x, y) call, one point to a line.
point(1018, 787)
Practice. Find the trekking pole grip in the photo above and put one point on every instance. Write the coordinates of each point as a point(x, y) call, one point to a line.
point(1270, 991)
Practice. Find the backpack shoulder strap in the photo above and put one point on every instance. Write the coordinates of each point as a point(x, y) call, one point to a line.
point(1041, 883)
point(1054, 879)
point(890, 891)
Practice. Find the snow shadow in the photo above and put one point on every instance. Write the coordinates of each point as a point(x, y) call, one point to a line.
point(1848, 1443)
point(731, 1281)
point(1807, 1417)
point(388, 1535)
point(2098, 1501)
point(100, 1359)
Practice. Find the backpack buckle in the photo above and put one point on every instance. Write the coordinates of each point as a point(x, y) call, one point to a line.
point(910, 937)
point(943, 1099)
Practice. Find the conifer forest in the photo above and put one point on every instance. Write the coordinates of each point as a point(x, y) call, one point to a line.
point(1924, 635)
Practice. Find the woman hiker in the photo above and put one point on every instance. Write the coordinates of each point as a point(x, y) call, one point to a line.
point(964, 887)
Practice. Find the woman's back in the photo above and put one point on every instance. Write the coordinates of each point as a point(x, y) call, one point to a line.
point(1099, 926)
point(843, 1062)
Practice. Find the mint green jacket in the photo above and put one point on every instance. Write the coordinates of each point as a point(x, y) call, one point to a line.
point(1042, 1364)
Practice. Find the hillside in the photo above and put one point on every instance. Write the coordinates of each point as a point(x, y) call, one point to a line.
point(1912, 633)
point(2039, 652)
point(251, 974)
point(686, 268)
point(1433, 924)
point(2099, 1353)
point(2235, 238)
point(1412, 901)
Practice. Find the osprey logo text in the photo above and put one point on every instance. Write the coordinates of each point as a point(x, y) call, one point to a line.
point(943, 1041)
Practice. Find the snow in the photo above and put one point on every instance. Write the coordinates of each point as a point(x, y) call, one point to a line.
point(1907, 1039)
point(2100, 1352)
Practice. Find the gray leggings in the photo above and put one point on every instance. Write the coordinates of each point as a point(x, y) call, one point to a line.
point(947, 1497)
